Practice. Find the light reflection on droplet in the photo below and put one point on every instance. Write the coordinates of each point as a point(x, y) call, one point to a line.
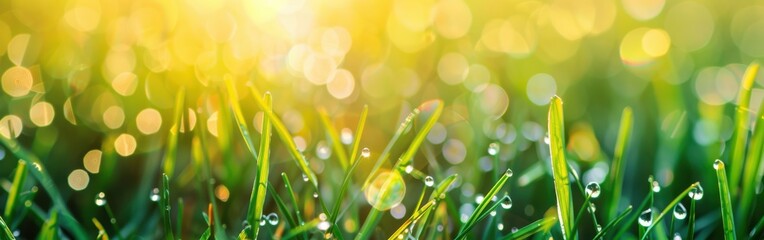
point(386, 191)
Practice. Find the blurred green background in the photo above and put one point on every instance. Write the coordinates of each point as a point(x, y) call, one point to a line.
point(89, 86)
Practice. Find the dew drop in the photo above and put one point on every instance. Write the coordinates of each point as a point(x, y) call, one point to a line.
point(113, 220)
point(509, 173)
point(646, 218)
point(365, 152)
point(346, 136)
point(696, 193)
point(479, 198)
point(493, 149)
point(506, 202)
point(154, 195)
point(305, 177)
point(500, 226)
point(429, 181)
point(273, 219)
point(262, 220)
point(546, 138)
point(718, 165)
point(656, 187)
point(592, 208)
point(323, 225)
point(514, 230)
point(680, 212)
point(599, 228)
point(100, 199)
point(677, 236)
point(409, 168)
point(593, 189)
point(315, 194)
point(492, 213)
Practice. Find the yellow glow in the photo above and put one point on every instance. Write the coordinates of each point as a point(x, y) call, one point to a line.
point(656, 42)
point(212, 124)
point(341, 85)
point(8, 124)
point(78, 180)
point(643, 9)
point(114, 117)
point(17, 48)
point(222, 193)
point(125, 83)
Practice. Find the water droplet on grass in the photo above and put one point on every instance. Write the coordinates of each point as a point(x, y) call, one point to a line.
point(365, 152)
point(409, 168)
point(429, 181)
point(386, 191)
point(593, 190)
point(718, 164)
point(656, 186)
point(696, 193)
point(680, 212)
point(646, 218)
point(506, 202)
point(509, 172)
point(273, 219)
point(305, 177)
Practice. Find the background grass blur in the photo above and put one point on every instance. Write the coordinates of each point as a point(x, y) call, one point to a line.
point(99, 90)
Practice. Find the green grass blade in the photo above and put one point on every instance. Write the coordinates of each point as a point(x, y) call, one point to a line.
point(334, 138)
point(668, 208)
point(49, 229)
point(414, 217)
point(164, 205)
point(430, 111)
point(691, 222)
point(728, 220)
point(359, 131)
point(179, 217)
point(6, 234)
point(39, 172)
point(282, 207)
point(612, 223)
point(18, 182)
point(238, 116)
point(206, 235)
point(257, 199)
point(757, 229)
point(481, 208)
point(750, 180)
point(616, 176)
point(287, 138)
point(740, 136)
point(172, 139)
point(560, 167)
point(302, 229)
point(543, 224)
point(292, 197)
point(101, 231)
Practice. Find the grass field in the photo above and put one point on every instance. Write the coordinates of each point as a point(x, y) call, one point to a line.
point(424, 119)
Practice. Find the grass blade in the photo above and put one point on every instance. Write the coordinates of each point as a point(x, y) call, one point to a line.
point(172, 140)
point(238, 116)
point(421, 211)
point(668, 208)
point(616, 176)
point(728, 220)
point(414, 217)
point(101, 231)
point(257, 199)
point(757, 229)
point(6, 234)
point(302, 229)
point(532, 228)
point(560, 167)
point(283, 133)
point(481, 208)
point(612, 223)
point(164, 204)
point(334, 138)
point(179, 218)
point(359, 131)
point(752, 164)
point(346, 182)
point(740, 136)
point(13, 194)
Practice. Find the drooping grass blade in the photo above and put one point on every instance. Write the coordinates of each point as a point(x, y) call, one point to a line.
point(479, 210)
point(424, 210)
point(414, 217)
point(616, 175)
point(349, 173)
point(740, 136)
point(171, 154)
point(238, 116)
point(669, 207)
point(359, 131)
point(283, 133)
point(612, 223)
point(13, 194)
point(560, 167)
point(282, 207)
point(49, 229)
point(728, 219)
point(543, 224)
point(257, 199)
point(101, 231)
